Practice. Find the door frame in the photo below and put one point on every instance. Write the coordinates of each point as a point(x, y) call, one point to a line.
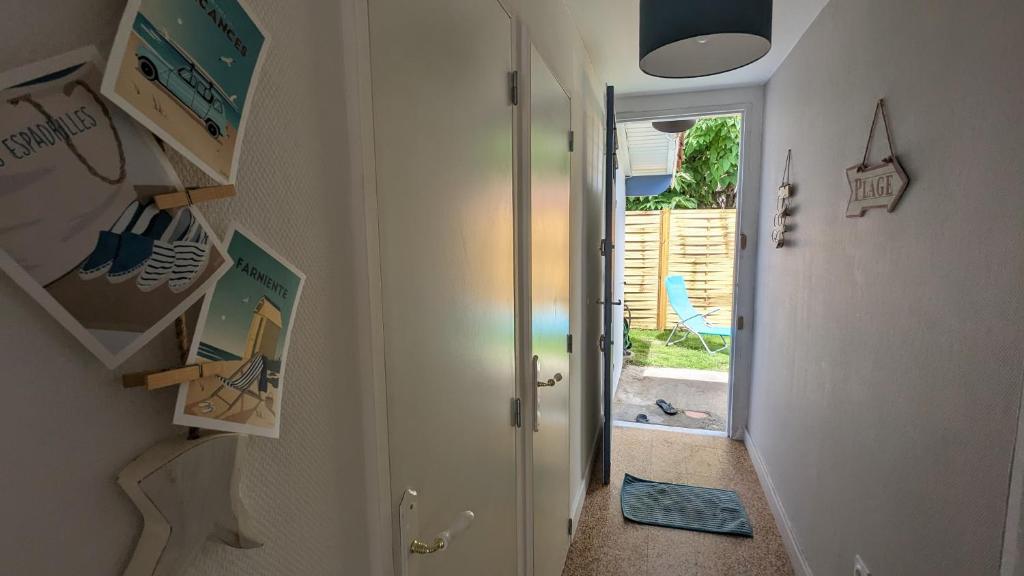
point(745, 264)
point(521, 46)
point(382, 520)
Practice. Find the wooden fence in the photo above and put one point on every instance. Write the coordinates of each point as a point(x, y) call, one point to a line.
point(699, 245)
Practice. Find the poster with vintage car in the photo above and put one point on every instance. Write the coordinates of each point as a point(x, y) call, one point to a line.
point(187, 69)
point(79, 230)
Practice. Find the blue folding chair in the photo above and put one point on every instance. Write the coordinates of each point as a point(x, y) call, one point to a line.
point(690, 320)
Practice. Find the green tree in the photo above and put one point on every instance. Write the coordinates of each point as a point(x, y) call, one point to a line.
point(709, 172)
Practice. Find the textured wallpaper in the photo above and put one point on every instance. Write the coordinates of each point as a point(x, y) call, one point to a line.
point(69, 427)
point(889, 348)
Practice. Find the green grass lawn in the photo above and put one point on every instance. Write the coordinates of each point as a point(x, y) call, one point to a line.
point(649, 350)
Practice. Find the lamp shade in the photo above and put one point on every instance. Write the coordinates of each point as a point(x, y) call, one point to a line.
point(693, 38)
point(673, 126)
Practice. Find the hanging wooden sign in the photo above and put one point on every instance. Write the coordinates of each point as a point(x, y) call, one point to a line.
point(187, 492)
point(782, 206)
point(879, 185)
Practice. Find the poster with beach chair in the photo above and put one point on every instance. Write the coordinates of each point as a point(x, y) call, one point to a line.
point(241, 343)
point(79, 230)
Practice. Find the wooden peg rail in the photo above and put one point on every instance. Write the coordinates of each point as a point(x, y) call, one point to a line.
point(190, 196)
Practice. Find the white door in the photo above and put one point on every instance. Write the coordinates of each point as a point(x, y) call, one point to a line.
point(549, 220)
point(443, 129)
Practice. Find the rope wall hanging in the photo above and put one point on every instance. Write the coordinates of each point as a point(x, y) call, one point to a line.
point(880, 185)
point(782, 205)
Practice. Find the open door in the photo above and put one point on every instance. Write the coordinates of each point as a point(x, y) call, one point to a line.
point(608, 271)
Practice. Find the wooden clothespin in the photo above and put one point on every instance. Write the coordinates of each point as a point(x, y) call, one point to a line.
point(190, 196)
point(174, 376)
point(163, 379)
point(171, 377)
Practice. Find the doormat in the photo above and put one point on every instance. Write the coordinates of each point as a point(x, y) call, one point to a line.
point(684, 507)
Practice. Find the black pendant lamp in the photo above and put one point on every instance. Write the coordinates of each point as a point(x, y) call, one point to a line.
point(673, 126)
point(693, 38)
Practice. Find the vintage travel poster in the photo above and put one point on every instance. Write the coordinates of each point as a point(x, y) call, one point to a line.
point(78, 229)
point(241, 341)
point(186, 69)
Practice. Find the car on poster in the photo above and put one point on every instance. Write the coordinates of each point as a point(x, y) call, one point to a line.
point(186, 70)
point(159, 61)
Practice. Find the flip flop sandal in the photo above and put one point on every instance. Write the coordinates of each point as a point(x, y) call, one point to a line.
point(643, 419)
point(161, 262)
point(137, 245)
point(190, 258)
point(103, 254)
point(667, 408)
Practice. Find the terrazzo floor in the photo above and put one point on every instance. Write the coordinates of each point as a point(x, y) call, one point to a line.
point(606, 544)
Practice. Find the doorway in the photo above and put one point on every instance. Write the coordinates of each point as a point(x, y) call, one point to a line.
point(678, 182)
point(677, 455)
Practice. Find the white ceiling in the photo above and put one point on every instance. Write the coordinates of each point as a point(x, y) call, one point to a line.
point(610, 30)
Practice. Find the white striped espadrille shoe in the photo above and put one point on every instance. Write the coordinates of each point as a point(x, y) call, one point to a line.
point(161, 262)
point(190, 258)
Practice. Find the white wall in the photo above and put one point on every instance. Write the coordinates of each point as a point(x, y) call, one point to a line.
point(749, 101)
point(889, 348)
point(69, 427)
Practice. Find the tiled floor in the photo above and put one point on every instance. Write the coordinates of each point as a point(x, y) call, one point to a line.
point(608, 545)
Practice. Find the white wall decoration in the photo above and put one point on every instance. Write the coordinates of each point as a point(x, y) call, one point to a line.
point(782, 205)
point(880, 185)
point(187, 492)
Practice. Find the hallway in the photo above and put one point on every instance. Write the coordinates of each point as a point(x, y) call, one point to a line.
point(609, 545)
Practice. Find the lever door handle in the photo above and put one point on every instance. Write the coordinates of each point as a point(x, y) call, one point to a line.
point(551, 381)
point(614, 302)
point(444, 538)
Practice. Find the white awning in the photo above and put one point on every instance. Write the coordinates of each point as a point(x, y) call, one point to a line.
point(643, 151)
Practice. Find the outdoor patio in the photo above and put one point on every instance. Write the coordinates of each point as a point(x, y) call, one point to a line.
point(678, 266)
point(701, 396)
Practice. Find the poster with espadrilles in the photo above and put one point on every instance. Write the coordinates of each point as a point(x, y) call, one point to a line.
point(79, 230)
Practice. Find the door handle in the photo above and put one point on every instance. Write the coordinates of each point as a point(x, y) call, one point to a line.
point(551, 381)
point(536, 397)
point(409, 526)
point(613, 303)
point(538, 385)
point(444, 538)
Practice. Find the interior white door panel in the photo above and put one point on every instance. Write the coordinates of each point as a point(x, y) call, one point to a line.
point(443, 136)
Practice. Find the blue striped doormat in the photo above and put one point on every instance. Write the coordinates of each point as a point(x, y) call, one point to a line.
point(685, 507)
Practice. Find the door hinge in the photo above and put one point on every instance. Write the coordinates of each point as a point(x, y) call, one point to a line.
point(513, 87)
point(570, 526)
point(605, 246)
point(572, 140)
point(739, 322)
point(517, 413)
point(568, 343)
point(603, 342)
point(743, 241)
